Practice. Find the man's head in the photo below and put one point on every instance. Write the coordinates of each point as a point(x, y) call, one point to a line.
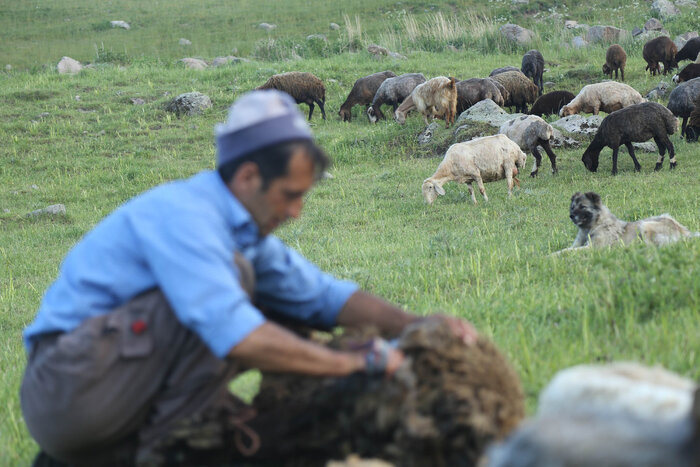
point(267, 157)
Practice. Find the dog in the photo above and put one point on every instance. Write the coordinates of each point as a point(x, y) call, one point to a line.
point(598, 227)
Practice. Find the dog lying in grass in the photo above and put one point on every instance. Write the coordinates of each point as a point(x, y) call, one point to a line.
point(598, 227)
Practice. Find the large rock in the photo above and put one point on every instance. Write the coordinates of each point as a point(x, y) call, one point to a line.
point(578, 124)
point(68, 66)
point(194, 63)
point(515, 33)
point(570, 24)
point(664, 8)
point(605, 34)
point(190, 103)
point(560, 140)
point(653, 25)
point(120, 24)
point(486, 111)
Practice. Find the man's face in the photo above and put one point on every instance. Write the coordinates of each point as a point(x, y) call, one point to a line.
point(284, 196)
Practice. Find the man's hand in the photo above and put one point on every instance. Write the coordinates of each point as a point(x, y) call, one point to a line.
point(382, 358)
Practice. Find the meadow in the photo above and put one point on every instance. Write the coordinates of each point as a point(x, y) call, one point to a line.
point(81, 141)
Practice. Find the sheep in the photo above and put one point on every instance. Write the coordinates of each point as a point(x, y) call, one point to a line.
point(660, 49)
point(608, 96)
point(393, 91)
point(533, 67)
point(529, 132)
point(436, 98)
point(682, 100)
point(485, 159)
point(471, 91)
point(362, 93)
point(303, 87)
point(498, 71)
point(692, 131)
point(504, 92)
point(689, 72)
point(615, 58)
point(621, 415)
point(690, 50)
point(636, 123)
point(521, 90)
point(551, 103)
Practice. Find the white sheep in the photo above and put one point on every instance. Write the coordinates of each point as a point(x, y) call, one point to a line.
point(436, 98)
point(482, 160)
point(608, 97)
point(530, 131)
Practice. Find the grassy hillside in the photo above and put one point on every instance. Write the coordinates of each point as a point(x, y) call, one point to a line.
point(79, 140)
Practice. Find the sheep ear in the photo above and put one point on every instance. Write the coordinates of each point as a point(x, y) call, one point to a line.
point(440, 191)
point(594, 197)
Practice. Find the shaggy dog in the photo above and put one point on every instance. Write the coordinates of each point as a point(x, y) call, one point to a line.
point(598, 227)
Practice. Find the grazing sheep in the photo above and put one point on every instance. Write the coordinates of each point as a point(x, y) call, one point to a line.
point(533, 67)
point(529, 132)
point(303, 87)
point(615, 59)
point(692, 131)
point(362, 93)
point(521, 90)
point(691, 71)
point(551, 103)
point(436, 98)
point(636, 123)
point(682, 100)
point(690, 50)
point(660, 49)
point(504, 92)
point(608, 97)
point(471, 91)
point(393, 91)
point(498, 71)
point(621, 415)
point(485, 159)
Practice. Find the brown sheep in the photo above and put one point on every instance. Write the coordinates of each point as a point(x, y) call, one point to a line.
point(661, 49)
point(521, 90)
point(436, 98)
point(615, 58)
point(362, 93)
point(303, 87)
point(471, 91)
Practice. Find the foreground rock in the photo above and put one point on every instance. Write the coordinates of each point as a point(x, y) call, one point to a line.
point(68, 66)
point(190, 103)
point(516, 33)
point(53, 210)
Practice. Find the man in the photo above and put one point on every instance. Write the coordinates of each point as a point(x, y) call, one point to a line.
point(157, 308)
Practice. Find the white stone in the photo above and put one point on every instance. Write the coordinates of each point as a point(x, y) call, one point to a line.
point(68, 66)
point(184, 41)
point(120, 24)
point(578, 42)
point(570, 24)
point(578, 124)
point(194, 63)
point(334, 26)
point(54, 210)
point(267, 26)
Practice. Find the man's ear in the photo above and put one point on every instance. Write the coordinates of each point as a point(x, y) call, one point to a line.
point(594, 197)
point(246, 179)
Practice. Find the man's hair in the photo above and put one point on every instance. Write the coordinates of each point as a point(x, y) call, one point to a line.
point(273, 160)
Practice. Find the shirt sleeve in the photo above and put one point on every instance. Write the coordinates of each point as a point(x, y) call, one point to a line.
point(191, 258)
point(291, 285)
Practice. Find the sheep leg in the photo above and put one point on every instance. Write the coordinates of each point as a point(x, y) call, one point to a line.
point(622, 72)
point(311, 109)
point(671, 152)
point(550, 153)
point(536, 163)
point(482, 190)
point(614, 158)
point(630, 150)
point(662, 150)
point(323, 111)
point(508, 169)
point(471, 192)
point(685, 120)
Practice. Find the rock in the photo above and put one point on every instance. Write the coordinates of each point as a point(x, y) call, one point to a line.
point(578, 124)
point(684, 3)
point(578, 42)
point(548, 84)
point(648, 35)
point(397, 56)
point(8, 67)
point(68, 66)
point(605, 34)
point(101, 133)
point(184, 41)
point(664, 8)
point(515, 33)
point(194, 63)
point(234, 50)
point(43, 115)
point(327, 175)
point(570, 24)
point(683, 38)
point(137, 101)
point(559, 140)
point(219, 61)
point(377, 50)
point(34, 187)
point(427, 135)
point(486, 111)
point(120, 24)
point(636, 31)
point(53, 210)
point(190, 103)
point(520, 2)
point(316, 37)
point(6, 211)
point(659, 91)
point(334, 26)
point(653, 25)
point(267, 26)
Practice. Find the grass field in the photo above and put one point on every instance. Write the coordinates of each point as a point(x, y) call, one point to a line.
point(79, 140)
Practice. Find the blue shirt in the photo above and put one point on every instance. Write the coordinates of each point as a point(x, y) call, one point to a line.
point(181, 237)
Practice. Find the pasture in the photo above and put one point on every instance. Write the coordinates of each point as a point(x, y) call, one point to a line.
point(81, 141)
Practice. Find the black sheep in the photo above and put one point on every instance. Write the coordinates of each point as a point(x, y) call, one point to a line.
point(690, 50)
point(551, 103)
point(692, 131)
point(691, 71)
point(661, 49)
point(636, 123)
point(533, 67)
point(682, 100)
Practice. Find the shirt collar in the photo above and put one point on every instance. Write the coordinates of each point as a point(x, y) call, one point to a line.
point(237, 216)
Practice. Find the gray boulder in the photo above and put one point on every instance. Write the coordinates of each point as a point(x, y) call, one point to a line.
point(515, 33)
point(53, 210)
point(194, 63)
point(605, 34)
point(334, 26)
point(486, 111)
point(653, 25)
point(397, 56)
point(267, 26)
point(560, 140)
point(68, 66)
point(578, 42)
point(427, 135)
point(578, 124)
point(683, 38)
point(659, 91)
point(190, 103)
point(316, 37)
point(637, 31)
point(664, 8)
point(120, 24)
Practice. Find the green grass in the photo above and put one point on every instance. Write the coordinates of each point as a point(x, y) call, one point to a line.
point(488, 263)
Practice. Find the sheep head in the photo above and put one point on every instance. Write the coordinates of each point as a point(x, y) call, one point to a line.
point(345, 115)
point(606, 69)
point(566, 111)
point(372, 115)
point(590, 156)
point(431, 190)
point(400, 117)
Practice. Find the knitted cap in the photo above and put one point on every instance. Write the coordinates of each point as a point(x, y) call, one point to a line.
point(256, 120)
